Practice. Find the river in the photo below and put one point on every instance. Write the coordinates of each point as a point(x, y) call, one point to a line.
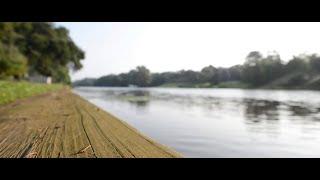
point(219, 122)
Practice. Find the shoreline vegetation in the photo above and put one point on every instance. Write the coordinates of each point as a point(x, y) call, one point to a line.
point(231, 84)
point(11, 91)
point(58, 124)
point(257, 72)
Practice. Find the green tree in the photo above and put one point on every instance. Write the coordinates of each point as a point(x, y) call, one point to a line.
point(259, 70)
point(223, 75)
point(157, 79)
point(297, 64)
point(315, 63)
point(209, 74)
point(49, 49)
point(235, 73)
point(271, 67)
point(12, 62)
point(251, 68)
point(140, 76)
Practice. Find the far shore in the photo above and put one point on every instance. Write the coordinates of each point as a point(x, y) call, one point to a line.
point(213, 87)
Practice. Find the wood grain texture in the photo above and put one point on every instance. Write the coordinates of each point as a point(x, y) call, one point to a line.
point(63, 125)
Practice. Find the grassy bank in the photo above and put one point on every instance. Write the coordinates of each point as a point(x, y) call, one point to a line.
point(11, 91)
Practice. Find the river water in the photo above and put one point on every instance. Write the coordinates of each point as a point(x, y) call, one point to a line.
point(219, 122)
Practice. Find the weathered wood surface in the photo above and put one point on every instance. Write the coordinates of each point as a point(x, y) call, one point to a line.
point(61, 124)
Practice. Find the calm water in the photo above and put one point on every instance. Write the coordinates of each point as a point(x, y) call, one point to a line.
point(219, 122)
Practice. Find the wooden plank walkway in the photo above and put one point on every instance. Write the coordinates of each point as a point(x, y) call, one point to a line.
point(63, 125)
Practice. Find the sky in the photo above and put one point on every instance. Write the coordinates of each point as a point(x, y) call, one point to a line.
point(116, 47)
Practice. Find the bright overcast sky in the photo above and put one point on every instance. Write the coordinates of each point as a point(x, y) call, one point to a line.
point(119, 47)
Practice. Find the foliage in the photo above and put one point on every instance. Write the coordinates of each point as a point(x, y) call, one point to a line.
point(12, 62)
point(301, 71)
point(259, 70)
point(140, 77)
point(47, 49)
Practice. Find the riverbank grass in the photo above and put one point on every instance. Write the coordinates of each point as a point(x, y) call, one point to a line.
point(11, 91)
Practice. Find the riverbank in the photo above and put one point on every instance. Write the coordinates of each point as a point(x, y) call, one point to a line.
point(230, 84)
point(291, 81)
point(61, 124)
point(294, 81)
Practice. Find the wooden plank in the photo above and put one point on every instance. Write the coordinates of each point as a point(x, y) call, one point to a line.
point(63, 125)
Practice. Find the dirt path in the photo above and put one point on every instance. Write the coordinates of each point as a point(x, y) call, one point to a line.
point(61, 124)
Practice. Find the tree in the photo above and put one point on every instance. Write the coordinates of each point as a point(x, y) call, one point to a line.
point(251, 68)
point(253, 58)
point(223, 75)
point(315, 63)
point(259, 70)
point(256, 71)
point(235, 73)
point(157, 79)
point(209, 74)
point(12, 62)
point(140, 76)
point(297, 64)
point(48, 49)
point(85, 82)
point(271, 67)
point(109, 80)
point(124, 78)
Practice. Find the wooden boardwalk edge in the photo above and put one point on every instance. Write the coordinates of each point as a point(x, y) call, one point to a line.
point(61, 124)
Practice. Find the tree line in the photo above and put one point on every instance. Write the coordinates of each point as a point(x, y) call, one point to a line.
point(37, 48)
point(256, 71)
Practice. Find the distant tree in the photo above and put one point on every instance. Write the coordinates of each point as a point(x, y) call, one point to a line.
point(251, 68)
point(253, 58)
point(271, 67)
point(157, 79)
point(235, 72)
point(223, 75)
point(187, 76)
point(258, 70)
point(297, 64)
point(141, 76)
point(109, 80)
point(209, 74)
point(315, 63)
point(85, 82)
point(124, 78)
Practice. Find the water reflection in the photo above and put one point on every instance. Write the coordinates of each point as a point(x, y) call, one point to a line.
point(140, 103)
point(260, 110)
point(137, 98)
point(255, 110)
point(223, 122)
point(300, 110)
